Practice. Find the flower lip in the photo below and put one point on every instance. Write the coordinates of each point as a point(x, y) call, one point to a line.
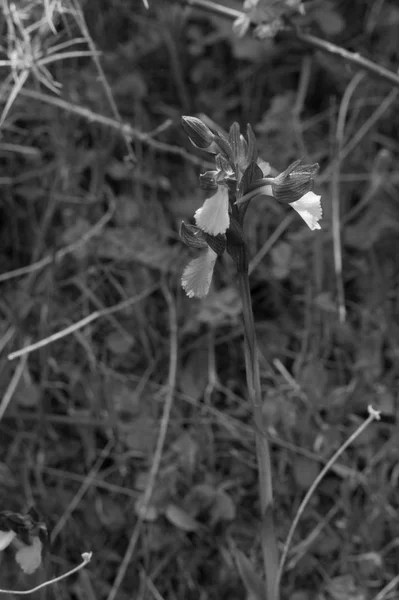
point(213, 217)
point(310, 209)
point(197, 275)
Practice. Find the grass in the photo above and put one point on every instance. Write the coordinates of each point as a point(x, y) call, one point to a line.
point(124, 414)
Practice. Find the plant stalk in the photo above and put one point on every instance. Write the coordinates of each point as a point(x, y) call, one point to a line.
point(268, 536)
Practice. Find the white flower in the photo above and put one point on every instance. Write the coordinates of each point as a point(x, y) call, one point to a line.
point(197, 276)
point(6, 537)
point(29, 558)
point(213, 217)
point(309, 208)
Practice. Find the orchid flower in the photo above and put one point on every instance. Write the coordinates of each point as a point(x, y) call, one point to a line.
point(293, 186)
point(239, 176)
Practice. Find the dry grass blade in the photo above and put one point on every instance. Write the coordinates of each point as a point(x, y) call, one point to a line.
point(336, 213)
point(86, 557)
point(81, 492)
point(12, 386)
point(98, 314)
point(169, 391)
point(57, 256)
point(373, 416)
point(102, 78)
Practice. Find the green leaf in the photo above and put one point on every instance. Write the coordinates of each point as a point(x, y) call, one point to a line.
point(251, 580)
point(181, 519)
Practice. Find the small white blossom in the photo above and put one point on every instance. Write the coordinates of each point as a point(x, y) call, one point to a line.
point(213, 217)
point(197, 276)
point(309, 208)
point(6, 537)
point(29, 557)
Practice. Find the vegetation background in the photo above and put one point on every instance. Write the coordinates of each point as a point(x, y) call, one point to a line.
point(90, 254)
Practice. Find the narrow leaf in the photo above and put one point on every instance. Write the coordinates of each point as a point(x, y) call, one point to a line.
point(251, 580)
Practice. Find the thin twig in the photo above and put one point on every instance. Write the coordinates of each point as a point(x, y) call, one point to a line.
point(335, 196)
point(57, 256)
point(81, 492)
point(352, 57)
point(125, 129)
point(102, 77)
point(170, 392)
point(12, 386)
point(86, 556)
point(388, 588)
point(82, 323)
point(359, 135)
point(374, 415)
point(271, 240)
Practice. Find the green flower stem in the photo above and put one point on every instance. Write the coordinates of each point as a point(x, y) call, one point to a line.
point(265, 189)
point(268, 536)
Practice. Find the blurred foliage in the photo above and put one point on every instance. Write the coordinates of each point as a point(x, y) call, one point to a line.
point(89, 231)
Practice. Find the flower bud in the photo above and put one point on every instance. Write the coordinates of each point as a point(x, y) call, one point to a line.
point(200, 135)
point(294, 182)
point(252, 153)
point(239, 146)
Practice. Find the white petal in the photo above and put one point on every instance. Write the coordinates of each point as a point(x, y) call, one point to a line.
point(213, 217)
point(309, 208)
point(241, 25)
point(29, 558)
point(265, 166)
point(6, 537)
point(197, 276)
